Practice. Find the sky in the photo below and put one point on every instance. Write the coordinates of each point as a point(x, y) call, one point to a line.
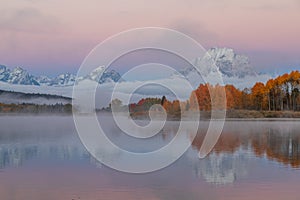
point(54, 36)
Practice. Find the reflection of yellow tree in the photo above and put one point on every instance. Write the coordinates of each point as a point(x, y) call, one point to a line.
point(228, 142)
point(284, 149)
point(281, 148)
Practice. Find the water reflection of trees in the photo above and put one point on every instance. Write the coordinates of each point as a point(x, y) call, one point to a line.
point(275, 144)
point(226, 163)
point(281, 147)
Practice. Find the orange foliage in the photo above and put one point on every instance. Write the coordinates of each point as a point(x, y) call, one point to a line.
point(281, 93)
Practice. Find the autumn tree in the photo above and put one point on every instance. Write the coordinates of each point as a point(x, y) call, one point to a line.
point(280, 93)
point(258, 96)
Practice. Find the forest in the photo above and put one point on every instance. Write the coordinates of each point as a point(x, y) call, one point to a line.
point(279, 94)
point(36, 109)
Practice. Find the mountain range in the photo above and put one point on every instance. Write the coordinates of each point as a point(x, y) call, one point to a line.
point(229, 64)
point(233, 68)
point(20, 76)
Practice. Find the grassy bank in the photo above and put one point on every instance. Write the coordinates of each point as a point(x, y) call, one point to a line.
point(230, 114)
point(261, 114)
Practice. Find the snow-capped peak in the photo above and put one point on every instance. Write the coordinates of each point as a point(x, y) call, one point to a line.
point(43, 80)
point(234, 68)
point(4, 72)
point(20, 76)
point(66, 79)
point(17, 76)
point(106, 76)
point(94, 75)
point(227, 61)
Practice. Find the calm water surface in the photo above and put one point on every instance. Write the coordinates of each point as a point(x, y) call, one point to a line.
point(43, 158)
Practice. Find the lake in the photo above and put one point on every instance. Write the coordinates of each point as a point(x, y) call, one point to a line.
point(43, 158)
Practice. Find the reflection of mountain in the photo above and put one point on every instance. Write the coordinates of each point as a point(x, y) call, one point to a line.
point(17, 154)
point(16, 149)
point(223, 168)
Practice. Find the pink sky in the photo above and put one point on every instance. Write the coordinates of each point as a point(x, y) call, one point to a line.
point(54, 36)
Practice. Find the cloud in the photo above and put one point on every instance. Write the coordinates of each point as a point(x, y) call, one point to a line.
point(28, 20)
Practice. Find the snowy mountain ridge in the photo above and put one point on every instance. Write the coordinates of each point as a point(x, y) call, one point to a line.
point(20, 76)
point(234, 69)
point(16, 76)
point(228, 63)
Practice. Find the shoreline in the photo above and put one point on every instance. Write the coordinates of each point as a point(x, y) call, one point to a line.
point(265, 119)
point(262, 119)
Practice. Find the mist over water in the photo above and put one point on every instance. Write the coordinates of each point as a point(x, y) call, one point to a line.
point(42, 158)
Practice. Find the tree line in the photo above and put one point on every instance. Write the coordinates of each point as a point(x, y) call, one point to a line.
point(35, 108)
point(278, 94)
